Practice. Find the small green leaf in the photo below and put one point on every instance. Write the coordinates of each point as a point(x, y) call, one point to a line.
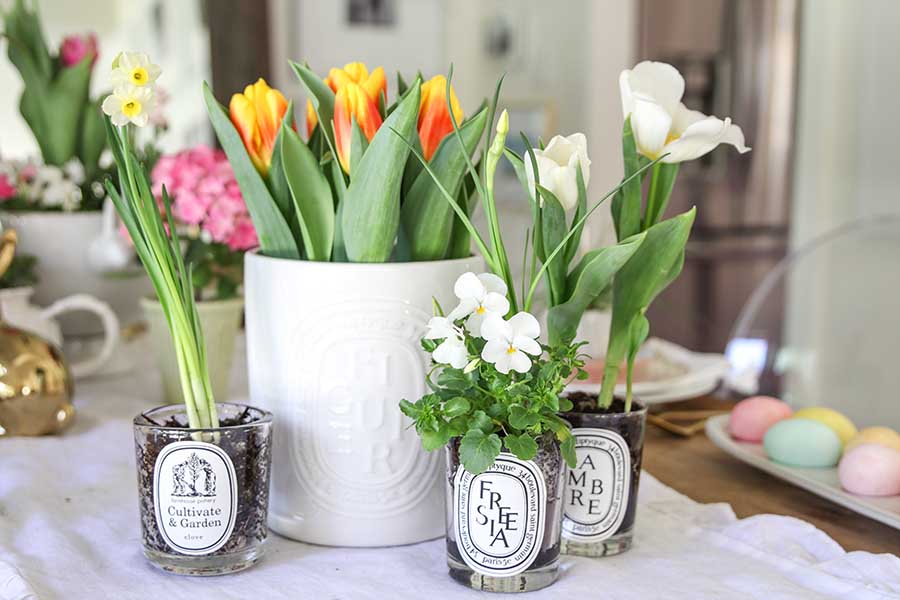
point(567, 447)
point(433, 440)
point(480, 420)
point(410, 410)
point(521, 418)
point(478, 451)
point(523, 446)
point(454, 379)
point(456, 407)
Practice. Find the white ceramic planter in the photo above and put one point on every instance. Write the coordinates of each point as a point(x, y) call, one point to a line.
point(220, 321)
point(332, 349)
point(60, 241)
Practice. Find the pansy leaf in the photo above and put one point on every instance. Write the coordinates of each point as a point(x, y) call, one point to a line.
point(523, 446)
point(478, 450)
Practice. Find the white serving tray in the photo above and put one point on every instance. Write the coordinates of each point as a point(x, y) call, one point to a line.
point(822, 482)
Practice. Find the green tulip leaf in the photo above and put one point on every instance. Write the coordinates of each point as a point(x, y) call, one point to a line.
point(427, 216)
point(321, 96)
point(275, 238)
point(591, 276)
point(311, 193)
point(371, 212)
point(554, 230)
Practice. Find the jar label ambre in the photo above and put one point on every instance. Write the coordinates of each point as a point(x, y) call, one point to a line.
point(596, 495)
point(500, 516)
point(195, 491)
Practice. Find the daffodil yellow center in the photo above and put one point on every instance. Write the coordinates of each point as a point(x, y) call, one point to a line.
point(510, 350)
point(480, 310)
point(131, 108)
point(139, 76)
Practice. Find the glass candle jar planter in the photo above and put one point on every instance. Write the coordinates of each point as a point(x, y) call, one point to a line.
point(203, 493)
point(601, 492)
point(503, 525)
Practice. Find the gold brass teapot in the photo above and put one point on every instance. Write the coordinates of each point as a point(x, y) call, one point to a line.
point(35, 383)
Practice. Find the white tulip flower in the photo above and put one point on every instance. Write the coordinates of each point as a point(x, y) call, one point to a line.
point(479, 296)
point(452, 351)
point(651, 94)
point(557, 165)
point(510, 342)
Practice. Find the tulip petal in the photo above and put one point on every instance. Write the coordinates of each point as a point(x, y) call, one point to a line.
point(702, 137)
point(651, 124)
point(564, 186)
point(525, 324)
point(660, 81)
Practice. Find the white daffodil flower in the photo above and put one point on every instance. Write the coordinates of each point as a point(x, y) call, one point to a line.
point(557, 164)
point(479, 296)
point(129, 104)
point(133, 68)
point(651, 94)
point(510, 342)
point(452, 351)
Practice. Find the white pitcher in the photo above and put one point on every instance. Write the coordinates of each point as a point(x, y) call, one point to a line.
point(17, 309)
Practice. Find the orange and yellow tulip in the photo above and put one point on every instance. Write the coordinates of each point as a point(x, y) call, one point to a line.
point(352, 100)
point(434, 118)
point(257, 114)
point(374, 84)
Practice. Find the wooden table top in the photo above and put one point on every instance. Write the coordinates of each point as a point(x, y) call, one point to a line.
point(698, 469)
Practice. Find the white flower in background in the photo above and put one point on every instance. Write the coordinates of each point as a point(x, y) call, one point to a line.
point(129, 104)
point(452, 351)
point(557, 165)
point(64, 194)
point(74, 171)
point(479, 296)
point(510, 342)
point(651, 94)
point(133, 68)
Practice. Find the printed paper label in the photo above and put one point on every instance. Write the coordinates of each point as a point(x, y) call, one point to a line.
point(195, 493)
point(596, 496)
point(500, 516)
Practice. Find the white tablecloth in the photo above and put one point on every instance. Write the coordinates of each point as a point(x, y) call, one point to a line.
point(69, 530)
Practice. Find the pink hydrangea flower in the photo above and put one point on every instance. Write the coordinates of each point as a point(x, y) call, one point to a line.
point(7, 189)
point(206, 196)
point(75, 48)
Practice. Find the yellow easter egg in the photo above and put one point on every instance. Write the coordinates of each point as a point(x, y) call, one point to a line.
point(841, 425)
point(883, 436)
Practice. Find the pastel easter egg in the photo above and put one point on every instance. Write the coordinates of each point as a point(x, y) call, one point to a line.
point(883, 436)
point(841, 425)
point(871, 470)
point(802, 443)
point(752, 417)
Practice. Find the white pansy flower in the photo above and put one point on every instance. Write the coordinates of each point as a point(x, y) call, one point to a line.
point(510, 342)
point(651, 94)
point(557, 164)
point(129, 104)
point(64, 194)
point(479, 296)
point(452, 351)
point(133, 68)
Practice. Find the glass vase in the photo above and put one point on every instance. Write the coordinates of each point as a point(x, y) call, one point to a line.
point(203, 493)
point(601, 492)
point(503, 525)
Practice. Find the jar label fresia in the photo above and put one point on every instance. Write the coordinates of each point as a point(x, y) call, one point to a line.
point(195, 497)
point(500, 516)
point(596, 495)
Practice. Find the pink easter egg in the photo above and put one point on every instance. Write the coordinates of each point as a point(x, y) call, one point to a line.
point(871, 470)
point(752, 417)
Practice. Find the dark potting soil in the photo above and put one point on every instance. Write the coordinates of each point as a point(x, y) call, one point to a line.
point(550, 461)
point(249, 450)
point(586, 413)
